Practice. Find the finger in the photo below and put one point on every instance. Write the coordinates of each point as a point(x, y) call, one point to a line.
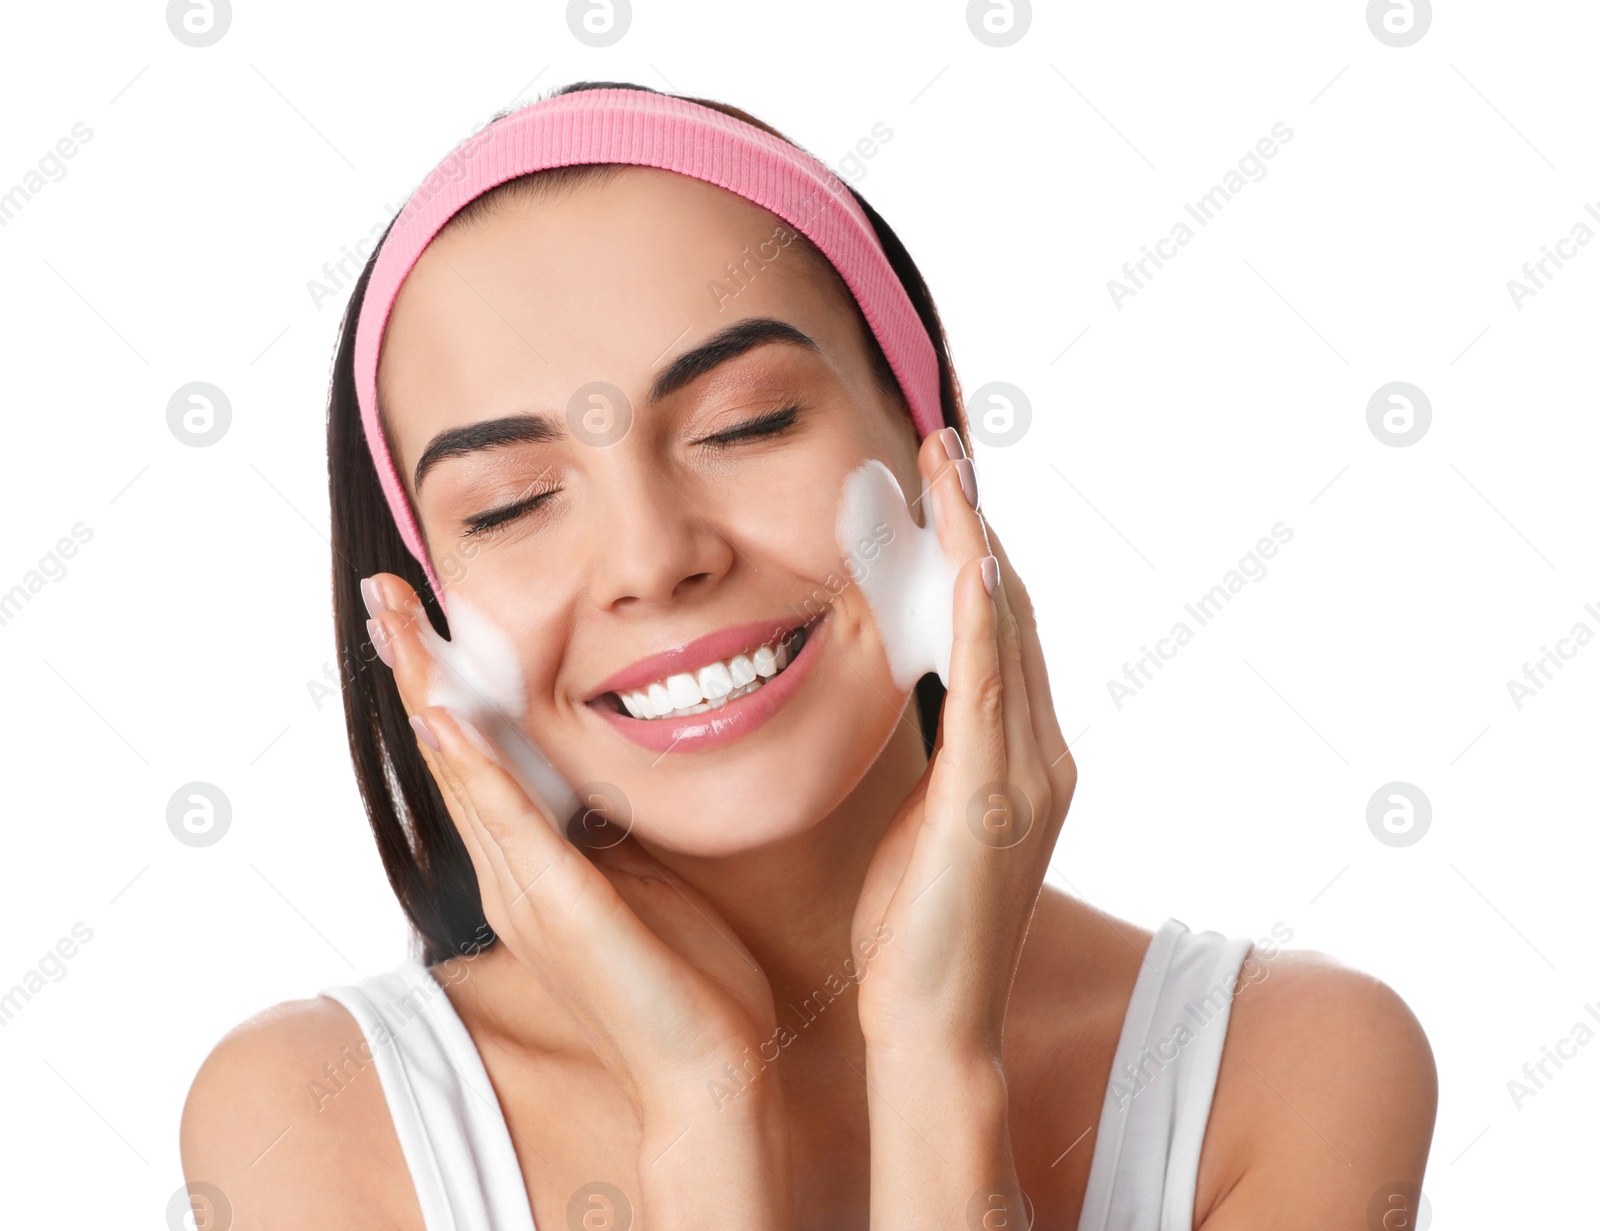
point(394, 609)
point(415, 652)
point(427, 671)
point(1058, 761)
point(946, 484)
point(1027, 767)
point(964, 529)
point(464, 813)
point(1037, 677)
point(454, 740)
point(537, 871)
point(624, 856)
point(974, 751)
point(401, 632)
point(1022, 745)
point(395, 628)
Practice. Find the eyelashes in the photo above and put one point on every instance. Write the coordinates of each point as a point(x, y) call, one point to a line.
point(484, 524)
point(773, 423)
point(762, 427)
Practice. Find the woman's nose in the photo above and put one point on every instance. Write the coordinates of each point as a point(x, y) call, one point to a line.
point(652, 541)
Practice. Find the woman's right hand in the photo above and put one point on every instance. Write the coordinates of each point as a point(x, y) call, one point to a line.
point(664, 991)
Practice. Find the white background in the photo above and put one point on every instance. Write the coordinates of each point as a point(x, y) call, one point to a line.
point(1168, 435)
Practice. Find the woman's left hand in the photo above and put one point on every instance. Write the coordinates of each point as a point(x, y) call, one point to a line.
point(947, 899)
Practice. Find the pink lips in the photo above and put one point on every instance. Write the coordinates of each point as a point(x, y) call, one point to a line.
point(713, 647)
point(728, 722)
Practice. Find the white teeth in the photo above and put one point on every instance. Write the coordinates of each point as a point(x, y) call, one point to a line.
point(683, 690)
point(742, 670)
point(715, 681)
point(713, 685)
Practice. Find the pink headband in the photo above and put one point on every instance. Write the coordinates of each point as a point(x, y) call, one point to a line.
point(647, 130)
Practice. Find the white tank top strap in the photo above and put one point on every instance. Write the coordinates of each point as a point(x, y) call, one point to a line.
point(451, 1128)
point(1146, 1160)
point(1158, 1100)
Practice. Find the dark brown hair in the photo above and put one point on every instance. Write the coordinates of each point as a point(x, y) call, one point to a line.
point(427, 865)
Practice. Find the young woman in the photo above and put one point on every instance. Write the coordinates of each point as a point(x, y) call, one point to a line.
point(792, 964)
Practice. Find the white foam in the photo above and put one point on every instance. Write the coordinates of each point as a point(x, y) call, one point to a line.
point(903, 572)
point(478, 674)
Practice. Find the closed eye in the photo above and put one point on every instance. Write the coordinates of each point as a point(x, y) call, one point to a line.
point(483, 524)
point(772, 423)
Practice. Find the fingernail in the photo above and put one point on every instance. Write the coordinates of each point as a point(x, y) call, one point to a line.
point(372, 595)
point(952, 443)
point(380, 641)
point(969, 480)
point(991, 574)
point(419, 724)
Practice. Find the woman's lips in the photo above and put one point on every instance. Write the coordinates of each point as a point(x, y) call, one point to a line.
point(713, 647)
point(735, 719)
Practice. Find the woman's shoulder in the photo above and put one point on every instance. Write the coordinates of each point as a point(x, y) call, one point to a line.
point(287, 1120)
point(1326, 1081)
point(1327, 1084)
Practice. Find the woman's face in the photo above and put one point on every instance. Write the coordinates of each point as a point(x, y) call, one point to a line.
point(600, 531)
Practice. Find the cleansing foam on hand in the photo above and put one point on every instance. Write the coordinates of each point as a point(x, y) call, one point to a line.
point(910, 584)
point(477, 674)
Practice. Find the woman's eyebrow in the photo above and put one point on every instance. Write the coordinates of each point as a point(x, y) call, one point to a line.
point(688, 367)
point(721, 347)
point(488, 434)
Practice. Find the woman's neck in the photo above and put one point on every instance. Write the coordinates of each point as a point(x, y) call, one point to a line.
point(790, 903)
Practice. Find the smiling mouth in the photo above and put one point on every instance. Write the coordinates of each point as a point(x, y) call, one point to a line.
point(712, 686)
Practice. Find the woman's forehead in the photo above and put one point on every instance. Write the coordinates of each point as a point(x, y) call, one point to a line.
point(604, 282)
point(637, 222)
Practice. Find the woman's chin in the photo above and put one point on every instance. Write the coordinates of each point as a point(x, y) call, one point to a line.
point(720, 833)
point(744, 803)
point(773, 781)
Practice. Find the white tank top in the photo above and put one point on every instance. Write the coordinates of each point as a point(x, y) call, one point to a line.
point(1146, 1149)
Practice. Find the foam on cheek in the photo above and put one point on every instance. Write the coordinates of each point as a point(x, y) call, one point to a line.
point(478, 674)
point(902, 570)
